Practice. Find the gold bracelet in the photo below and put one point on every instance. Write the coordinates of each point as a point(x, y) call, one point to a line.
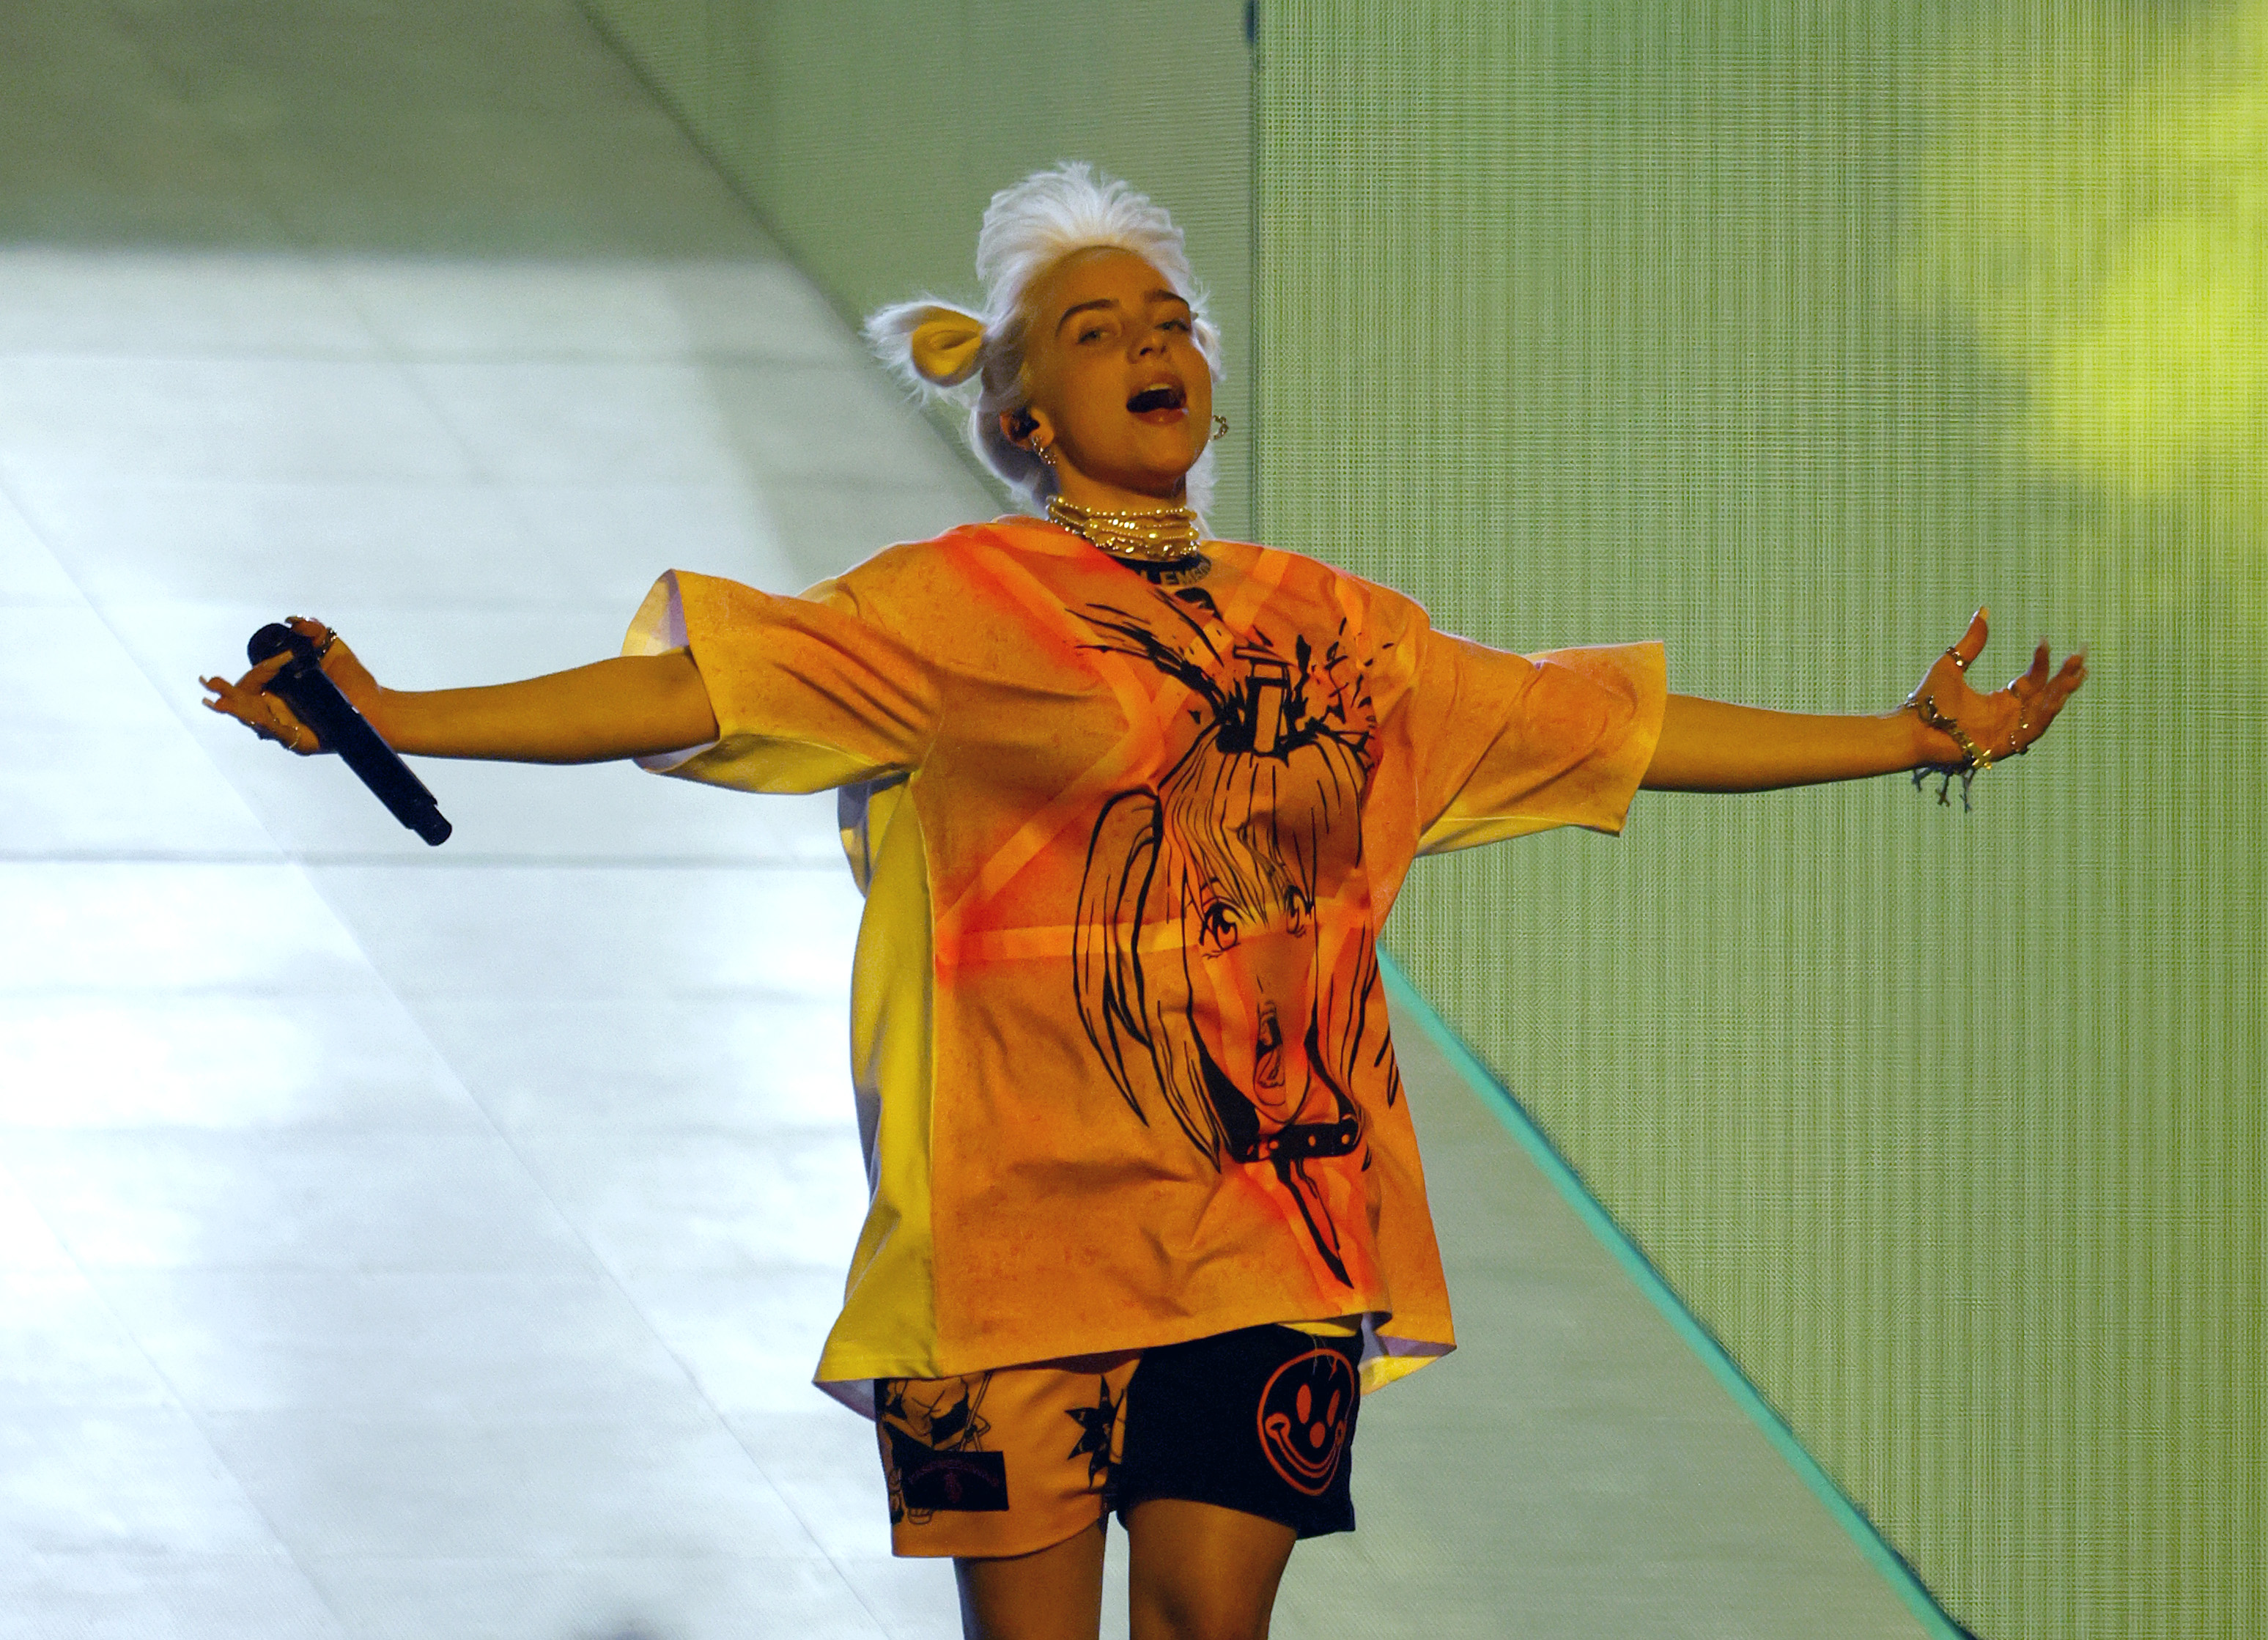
point(1924, 706)
point(1978, 760)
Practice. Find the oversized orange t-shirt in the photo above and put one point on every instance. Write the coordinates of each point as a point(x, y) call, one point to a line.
point(1118, 1035)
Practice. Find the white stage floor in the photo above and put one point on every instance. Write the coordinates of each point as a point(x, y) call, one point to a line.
point(399, 1242)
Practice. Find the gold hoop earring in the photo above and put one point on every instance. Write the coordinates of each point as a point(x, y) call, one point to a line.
point(1220, 427)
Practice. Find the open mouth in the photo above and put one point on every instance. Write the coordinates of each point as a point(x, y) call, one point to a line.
point(1268, 1055)
point(1164, 401)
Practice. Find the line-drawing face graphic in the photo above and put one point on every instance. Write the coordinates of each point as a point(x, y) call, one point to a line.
point(1224, 959)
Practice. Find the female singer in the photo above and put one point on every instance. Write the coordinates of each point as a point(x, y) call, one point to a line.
point(1129, 805)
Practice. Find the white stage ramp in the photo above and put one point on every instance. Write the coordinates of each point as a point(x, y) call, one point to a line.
point(401, 1242)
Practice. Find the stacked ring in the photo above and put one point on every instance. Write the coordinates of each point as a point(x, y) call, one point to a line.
point(330, 634)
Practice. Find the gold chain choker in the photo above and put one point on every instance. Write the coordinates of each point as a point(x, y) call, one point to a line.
point(1165, 536)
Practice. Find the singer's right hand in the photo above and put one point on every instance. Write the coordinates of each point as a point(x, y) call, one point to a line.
point(626, 706)
point(266, 716)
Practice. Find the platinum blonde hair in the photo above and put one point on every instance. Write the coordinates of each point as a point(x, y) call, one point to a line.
point(1028, 228)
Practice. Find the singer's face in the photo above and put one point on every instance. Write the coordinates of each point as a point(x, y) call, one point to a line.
point(1122, 396)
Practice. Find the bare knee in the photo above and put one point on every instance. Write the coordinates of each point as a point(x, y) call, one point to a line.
point(1181, 1617)
point(1203, 1572)
point(1054, 1594)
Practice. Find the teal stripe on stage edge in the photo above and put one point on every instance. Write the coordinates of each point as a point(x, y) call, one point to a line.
point(1409, 1003)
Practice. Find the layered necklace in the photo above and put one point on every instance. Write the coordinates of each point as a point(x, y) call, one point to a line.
point(1161, 542)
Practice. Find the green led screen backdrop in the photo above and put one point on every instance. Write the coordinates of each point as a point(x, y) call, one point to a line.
point(1788, 334)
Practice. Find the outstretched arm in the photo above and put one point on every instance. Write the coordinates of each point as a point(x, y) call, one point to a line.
point(628, 706)
point(1709, 746)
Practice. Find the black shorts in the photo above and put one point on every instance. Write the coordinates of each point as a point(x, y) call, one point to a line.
point(1261, 1421)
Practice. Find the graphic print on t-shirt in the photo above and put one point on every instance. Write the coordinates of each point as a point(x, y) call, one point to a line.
point(1066, 789)
point(1216, 966)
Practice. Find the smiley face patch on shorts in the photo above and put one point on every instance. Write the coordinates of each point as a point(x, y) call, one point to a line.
point(1260, 1420)
point(1306, 1411)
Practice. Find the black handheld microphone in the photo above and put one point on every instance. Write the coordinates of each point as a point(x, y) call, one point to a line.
point(316, 701)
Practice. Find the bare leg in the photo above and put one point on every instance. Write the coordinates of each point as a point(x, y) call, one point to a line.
point(1050, 1594)
point(1203, 1572)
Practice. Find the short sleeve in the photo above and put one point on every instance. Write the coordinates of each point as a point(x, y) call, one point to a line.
point(1510, 744)
point(807, 695)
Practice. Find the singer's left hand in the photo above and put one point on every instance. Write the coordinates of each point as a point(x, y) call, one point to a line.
point(1999, 723)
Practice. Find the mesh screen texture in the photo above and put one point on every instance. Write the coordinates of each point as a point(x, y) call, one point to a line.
point(1789, 334)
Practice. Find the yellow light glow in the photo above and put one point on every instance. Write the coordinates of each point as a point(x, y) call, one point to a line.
point(2099, 220)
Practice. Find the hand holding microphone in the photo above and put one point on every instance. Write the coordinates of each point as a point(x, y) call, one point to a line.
point(288, 698)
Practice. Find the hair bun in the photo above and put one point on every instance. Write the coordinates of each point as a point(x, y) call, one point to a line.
point(934, 347)
point(946, 345)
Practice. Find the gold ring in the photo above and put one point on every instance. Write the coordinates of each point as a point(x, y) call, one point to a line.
point(330, 634)
point(1959, 664)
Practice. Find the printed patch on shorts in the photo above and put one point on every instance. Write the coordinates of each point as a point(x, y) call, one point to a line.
point(928, 1480)
point(933, 1447)
point(1304, 1413)
point(1099, 1433)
